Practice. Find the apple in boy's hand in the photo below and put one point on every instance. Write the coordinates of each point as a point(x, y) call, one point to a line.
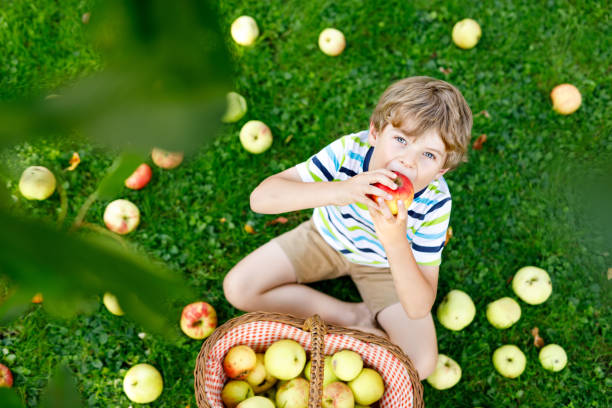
point(503, 313)
point(466, 33)
point(121, 216)
point(446, 375)
point(236, 107)
point(143, 383)
point(368, 387)
point(285, 359)
point(509, 361)
point(337, 395)
point(293, 394)
point(37, 183)
point(244, 30)
point(112, 304)
point(532, 285)
point(566, 99)
point(457, 310)
point(140, 177)
point(6, 377)
point(198, 320)
point(553, 357)
point(332, 41)
point(256, 402)
point(404, 192)
point(234, 392)
point(255, 136)
point(346, 364)
point(166, 159)
point(239, 361)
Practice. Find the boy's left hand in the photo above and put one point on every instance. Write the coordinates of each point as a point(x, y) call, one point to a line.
point(391, 229)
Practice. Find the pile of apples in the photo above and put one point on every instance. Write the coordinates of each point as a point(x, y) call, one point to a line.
point(280, 377)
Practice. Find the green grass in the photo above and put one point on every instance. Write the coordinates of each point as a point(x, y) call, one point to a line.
point(514, 203)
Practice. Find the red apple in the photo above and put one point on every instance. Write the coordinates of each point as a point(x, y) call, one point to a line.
point(6, 378)
point(139, 178)
point(121, 216)
point(198, 320)
point(404, 191)
point(239, 361)
point(165, 159)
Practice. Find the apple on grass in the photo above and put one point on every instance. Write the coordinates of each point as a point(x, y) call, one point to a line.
point(293, 394)
point(165, 159)
point(466, 33)
point(509, 361)
point(332, 41)
point(346, 364)
point(566, 99)
point(6, 377)
point(256, 402)
point(259, 378)
point(255, 137)
point(404, 192)
point(285, 359)
point(112, 304)
point(457, 310)
point(236, 107)
point(198, 320)
point(121, 216)
point(234, 392)
point(328, 372)
point(143, 383)
point(244, 30)
point(140, 178)
point(337, 395)
point(532, 285)
point(553, 357)
point(239, 361)
point(446, 375)
point(37, 183)
point(368, 387)
point(503, 313)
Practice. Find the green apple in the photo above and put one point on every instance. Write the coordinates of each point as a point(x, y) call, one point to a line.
point(293, 394)
point(509, 361)
point(285, 359)
point(532, 285)
point(255, 136)
point(466, 33)
point(256, 402)
point(346, 364)
point(328, 372)
point(239, 361)
point(553, 357)
point(244, 30)
point(37, 183)
point(112, 304)
point(456, 310)
point(368, 387)
point(234, 392)
point(236, 107)
point(259, 378)
point(332, 41)
point(446, 375)
point(143, 383)
point(503, 313)
point(337, 395)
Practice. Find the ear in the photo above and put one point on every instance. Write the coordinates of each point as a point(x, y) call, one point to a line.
point(372, 135)
point(440, 173)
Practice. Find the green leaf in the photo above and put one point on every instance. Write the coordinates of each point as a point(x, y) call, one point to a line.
point(10, 399)
point(121, 169)
point(61, 391)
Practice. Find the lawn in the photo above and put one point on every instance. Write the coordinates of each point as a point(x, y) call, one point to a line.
point(522, 199)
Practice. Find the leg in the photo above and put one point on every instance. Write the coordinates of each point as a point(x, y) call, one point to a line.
point(417, 338)
point(266, 281)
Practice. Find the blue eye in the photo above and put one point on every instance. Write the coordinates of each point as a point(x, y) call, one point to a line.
point(400, 139)
point(430, 155)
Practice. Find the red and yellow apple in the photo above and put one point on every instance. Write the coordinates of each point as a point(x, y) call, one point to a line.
point(566, 99)
point(293, 394)
point(37, 183)
point(337, 395)
point(121, 216)
point(140, 177)
point(198, 320)
point(239, 361)
point(332, 41)
point(166, 159)
point(255, 136)
point(404, 192)
point(6, 377)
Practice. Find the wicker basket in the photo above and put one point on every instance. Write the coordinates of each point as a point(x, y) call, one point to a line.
point(259, 330)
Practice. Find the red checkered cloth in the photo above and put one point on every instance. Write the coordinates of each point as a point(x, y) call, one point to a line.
point(261, 334)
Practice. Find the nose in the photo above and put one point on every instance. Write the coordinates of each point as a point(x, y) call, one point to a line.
point(408, 159)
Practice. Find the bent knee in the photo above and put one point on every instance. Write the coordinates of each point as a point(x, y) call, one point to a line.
point(237, 289)
point(426, 363)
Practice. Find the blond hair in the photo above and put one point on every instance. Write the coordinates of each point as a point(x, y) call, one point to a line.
point(430, 104)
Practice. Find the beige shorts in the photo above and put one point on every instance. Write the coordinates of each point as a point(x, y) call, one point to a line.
point(314, 260)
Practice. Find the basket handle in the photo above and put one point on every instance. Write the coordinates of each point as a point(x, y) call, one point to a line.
point(317, 328)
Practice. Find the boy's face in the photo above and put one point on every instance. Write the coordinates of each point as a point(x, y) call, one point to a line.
point(419, 158)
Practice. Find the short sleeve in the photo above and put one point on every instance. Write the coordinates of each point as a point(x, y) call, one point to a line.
point(429, 238)
point(324, 166)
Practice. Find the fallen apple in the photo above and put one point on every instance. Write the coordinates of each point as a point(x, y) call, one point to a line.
point(236, 108)
point(553, 357)
point(234, 392)
point(466, 33)
point(285, 359)
point(456, 310)
point(368, 387)
point(404, 192)
point(198, 320)
point(532, 285)
point(244, 30)
point(347, 364)
point(143, 383)
point(293, 394)
point(121, 216)
point(566, 99)
point(165, 159)
point(332, 41)
point(255, 137)
point(239, 361)
point(6, 377)
point(112, 304)
point(259, 378)
point(37, 183)
point(140, 177)
point(503, 312)
point(328, 372)
point(256, 402)
point(509, 361)
point(446, 375)
point(337, 395)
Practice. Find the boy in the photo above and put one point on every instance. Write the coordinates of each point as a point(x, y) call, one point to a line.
point(421, 128)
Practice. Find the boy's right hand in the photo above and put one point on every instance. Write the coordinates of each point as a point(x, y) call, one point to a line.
point(357, 188)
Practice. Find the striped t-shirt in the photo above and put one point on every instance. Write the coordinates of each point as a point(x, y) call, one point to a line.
point(350, 230)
